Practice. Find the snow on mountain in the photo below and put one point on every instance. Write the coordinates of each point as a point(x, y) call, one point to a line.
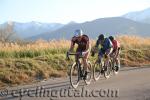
point(140, 16)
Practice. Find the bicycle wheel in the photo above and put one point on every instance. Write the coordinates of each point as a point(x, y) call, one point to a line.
point(89, 74)
point(97, 69)
point(108, 70)
point(74, 75)
point(115, 67)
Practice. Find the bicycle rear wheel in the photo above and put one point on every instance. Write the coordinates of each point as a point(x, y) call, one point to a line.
point(74, 75)
point(108, 70)
point(115, 68)
point(97, 69)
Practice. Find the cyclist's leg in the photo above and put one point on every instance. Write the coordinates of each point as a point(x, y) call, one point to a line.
point(77, 56)
point(107, 54)
point(117, 60)
point(101, 54)
point(85, 64)
point(112, 54)
point(85, 61)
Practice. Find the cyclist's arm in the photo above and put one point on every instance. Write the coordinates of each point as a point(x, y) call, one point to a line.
point(117, 52)
point(118, 49)
point(87, 47)
point(71, 46)
point(95, 47)
point(97, 43)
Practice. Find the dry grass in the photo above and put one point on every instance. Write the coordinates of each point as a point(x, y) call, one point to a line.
point(38, 45)
point(134, 42)
point(135, 50)
point(126, 41)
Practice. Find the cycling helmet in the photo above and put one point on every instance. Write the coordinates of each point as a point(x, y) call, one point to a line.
point(101, 37)
point(111, 38)
point(78, 33)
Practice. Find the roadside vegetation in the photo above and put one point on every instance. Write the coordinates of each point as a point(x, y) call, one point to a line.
point(22, 63)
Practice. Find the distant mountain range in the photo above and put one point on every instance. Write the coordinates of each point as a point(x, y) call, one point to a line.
point(140, 16)
point(133, 23)
point(107, 26)
point(26, 30)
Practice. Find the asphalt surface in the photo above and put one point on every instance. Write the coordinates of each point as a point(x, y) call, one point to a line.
point(130, 84)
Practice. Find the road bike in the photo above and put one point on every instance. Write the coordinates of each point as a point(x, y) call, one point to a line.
point(77, 71)
point(101, 68)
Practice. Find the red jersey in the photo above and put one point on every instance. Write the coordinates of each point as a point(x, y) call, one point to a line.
point(116, 44)
point(81, 44)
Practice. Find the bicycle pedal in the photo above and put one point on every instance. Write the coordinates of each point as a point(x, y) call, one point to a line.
point(81, 75)
point(113, 68)
point(116, 68)
point(85, 77)
point(102, 71)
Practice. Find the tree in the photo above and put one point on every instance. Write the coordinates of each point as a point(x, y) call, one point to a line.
point(7, 33)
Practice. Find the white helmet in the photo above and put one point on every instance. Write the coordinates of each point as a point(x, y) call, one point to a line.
point(78, 33)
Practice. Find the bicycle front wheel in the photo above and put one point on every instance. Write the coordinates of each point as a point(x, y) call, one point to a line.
point(108, 70)
point(74, 75)
point(97, 69)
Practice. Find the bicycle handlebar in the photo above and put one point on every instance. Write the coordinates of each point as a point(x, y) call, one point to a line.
point(73, 54)
point(80, 56)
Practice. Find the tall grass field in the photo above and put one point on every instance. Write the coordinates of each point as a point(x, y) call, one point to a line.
point(31, 62)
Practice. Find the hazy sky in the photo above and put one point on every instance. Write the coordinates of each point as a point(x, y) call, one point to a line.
point(64, 11)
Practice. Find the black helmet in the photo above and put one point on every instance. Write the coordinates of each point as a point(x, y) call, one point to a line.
point(111, 38)
point(101, 37)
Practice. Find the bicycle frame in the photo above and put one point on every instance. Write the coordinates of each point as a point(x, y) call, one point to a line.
point(78, 63)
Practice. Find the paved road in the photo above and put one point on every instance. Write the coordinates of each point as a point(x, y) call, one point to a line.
point(129, 84)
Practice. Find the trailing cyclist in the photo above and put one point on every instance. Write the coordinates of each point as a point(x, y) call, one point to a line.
point(106, 49)
point(83, 48)
point(116, 51)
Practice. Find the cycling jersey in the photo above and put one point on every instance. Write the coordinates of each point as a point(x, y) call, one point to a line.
point(116, 44)
point(81, 44)
point(106, 44)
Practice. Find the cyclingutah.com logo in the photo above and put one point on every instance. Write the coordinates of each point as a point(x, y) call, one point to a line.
point(64, 93)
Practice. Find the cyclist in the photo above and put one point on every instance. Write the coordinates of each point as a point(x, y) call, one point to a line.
point(116, 51)
point(106, 48)
point(83, 48)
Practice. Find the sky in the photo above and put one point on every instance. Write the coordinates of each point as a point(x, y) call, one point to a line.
point(64, 11)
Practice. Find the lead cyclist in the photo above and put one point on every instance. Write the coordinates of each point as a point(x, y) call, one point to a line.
point(83, 48)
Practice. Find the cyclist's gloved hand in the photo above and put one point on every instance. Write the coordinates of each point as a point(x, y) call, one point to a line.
point(79, 53)
point(67, 55)
point(92, 53)
point(83, 53)
point(106, 56)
